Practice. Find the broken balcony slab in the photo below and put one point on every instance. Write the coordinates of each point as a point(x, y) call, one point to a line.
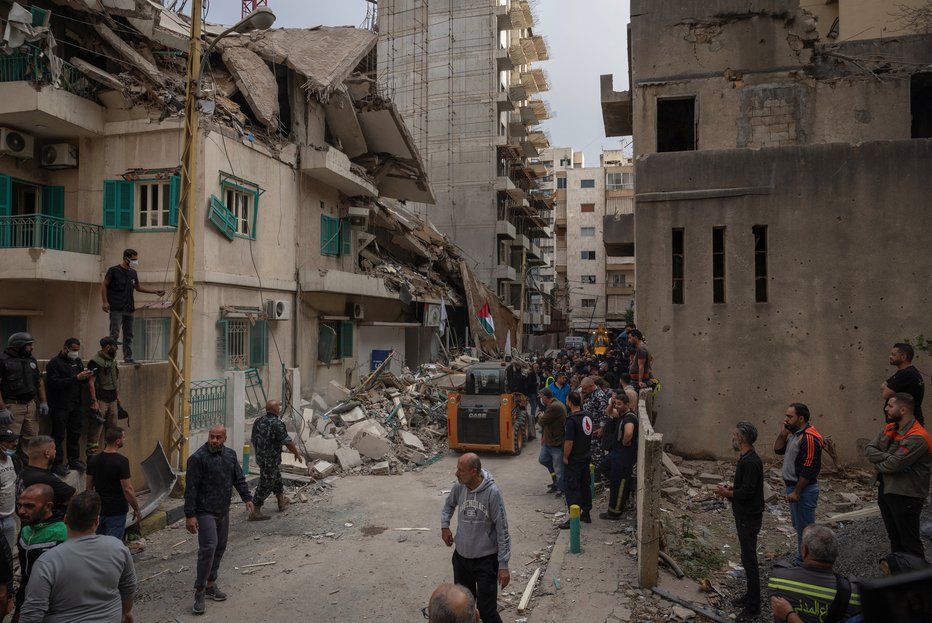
point(344, 125)
point(331, 166)
point(48, 111)
point(256, 82)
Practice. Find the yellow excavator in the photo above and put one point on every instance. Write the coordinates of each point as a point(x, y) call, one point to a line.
point(601, 341)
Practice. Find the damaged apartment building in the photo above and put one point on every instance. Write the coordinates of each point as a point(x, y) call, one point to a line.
point(304, 253)
point(782, 157)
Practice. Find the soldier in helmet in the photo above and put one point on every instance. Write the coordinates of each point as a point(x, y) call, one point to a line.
point(268, 437)
point(20, 387)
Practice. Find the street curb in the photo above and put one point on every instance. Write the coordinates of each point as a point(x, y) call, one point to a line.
point(561, 548)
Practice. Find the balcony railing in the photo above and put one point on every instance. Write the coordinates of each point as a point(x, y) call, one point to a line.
point(49, 232)
point(29, 63)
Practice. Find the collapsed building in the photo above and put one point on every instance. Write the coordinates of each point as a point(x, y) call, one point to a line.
point(305, 255)
point(782, 151)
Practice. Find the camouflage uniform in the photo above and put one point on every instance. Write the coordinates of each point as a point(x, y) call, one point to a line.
point(594, 406)
point(268, 437)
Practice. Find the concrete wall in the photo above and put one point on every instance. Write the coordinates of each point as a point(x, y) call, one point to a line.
point(847, 260)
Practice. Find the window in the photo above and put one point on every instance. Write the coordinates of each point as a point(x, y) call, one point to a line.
point(10, 325)
point(920, 105)
point(587, 255)
point(679, 294)
point(718, 264)
point(151, 337)
point(587, 232)
point(153, 201)
point(236, 215)
point(565, 162)
point(142, 204)
point(588, 278)
point(619, 181)
point(32, 203)
point(587, 183)
point(561, 182)
point(587, 303)
point(760, 263)
point(242, 343)
point(335, 236)
point(676, 124)
point(587, 207)
point(334, 340)
point(618, 280)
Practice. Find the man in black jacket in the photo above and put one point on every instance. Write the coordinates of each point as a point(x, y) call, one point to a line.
point(41, 451)
point(66, 379)
point(747, 504)
point(212, 473)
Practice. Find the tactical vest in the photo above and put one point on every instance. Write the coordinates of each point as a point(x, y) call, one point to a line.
point(109, 373)
point(20, 376)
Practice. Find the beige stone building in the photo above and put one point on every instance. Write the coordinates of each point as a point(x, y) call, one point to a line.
point(594, 263)
point(782, 152)
point(296, 236)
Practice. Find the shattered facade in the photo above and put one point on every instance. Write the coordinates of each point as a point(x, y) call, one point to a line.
point(782, 155)
point(463, 75)
point(304, 254)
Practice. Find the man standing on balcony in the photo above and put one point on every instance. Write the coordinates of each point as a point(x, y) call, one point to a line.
point(20, 386)
point(116, 293)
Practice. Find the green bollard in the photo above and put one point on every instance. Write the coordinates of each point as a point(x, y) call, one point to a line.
point(575, 546)
point(592, 480)
point(247, 449)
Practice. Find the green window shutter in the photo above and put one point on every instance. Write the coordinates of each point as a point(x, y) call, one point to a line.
point(254, 214)
point(6, 209)
point(329, 235)
point(223, 344)
point(346, 338)
point(325, 337)
point(259, 344)
point(118, 204)
point(346, 237)
point(174, 196)
point(222, 218)
point(166, 338)
point(53, 201)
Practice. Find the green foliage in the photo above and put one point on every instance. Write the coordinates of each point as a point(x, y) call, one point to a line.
point(629, 314)
point(920, 343)
point(690, 545)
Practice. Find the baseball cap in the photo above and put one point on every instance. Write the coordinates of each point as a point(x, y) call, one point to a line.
point(109, 341)
point(7, 435)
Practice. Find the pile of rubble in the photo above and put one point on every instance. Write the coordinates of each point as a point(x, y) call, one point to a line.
point(388, 424)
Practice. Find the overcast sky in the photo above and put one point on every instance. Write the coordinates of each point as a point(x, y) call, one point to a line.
point(586, 39)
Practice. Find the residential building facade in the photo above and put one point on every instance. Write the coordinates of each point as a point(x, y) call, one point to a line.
point(782, 153)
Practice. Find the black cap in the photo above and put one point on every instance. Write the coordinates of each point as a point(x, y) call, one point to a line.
point(108, 341)
point(7, 435)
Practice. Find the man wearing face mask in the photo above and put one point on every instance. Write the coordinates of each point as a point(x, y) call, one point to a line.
point(67, 379)
point(41, 451)
point(116, 293)
point(20, 385)
point(105, 393)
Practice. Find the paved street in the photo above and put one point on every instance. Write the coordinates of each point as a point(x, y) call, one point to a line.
point(368, 571)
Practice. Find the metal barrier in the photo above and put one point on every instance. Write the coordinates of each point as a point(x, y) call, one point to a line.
point(208, 400)
point(49, 232)
point(649, 475)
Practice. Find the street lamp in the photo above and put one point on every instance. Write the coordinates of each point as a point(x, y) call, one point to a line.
point(177, 424)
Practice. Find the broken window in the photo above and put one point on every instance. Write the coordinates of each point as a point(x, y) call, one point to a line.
point(679, 292)
point(587, 255)
point(676, 124)
point(920, 105)
point(587, 207)
point(587, 232)
point(718, 264)
point(238, 203)
point(334, 340)
point(760, 263)
point(587, 183)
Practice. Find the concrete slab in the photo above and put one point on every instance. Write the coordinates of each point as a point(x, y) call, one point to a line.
point(323, 468)
point(348, 458)
point(411, 440)
point(370, 427)
point(319, 448)
point(372, 446)
point(381, 469)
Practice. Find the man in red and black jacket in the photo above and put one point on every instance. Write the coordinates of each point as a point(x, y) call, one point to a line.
point(801, 446)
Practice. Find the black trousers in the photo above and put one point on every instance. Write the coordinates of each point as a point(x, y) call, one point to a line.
point(748, 527)
point(620, 482)
point(480, 576)
point(900, 515)
point(67, 423)
point(576, 485)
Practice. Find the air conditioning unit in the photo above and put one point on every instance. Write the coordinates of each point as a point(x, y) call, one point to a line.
point(355, 311)
point(59, 156)
point(358, 217)
point(278, 309)
point(16, 143)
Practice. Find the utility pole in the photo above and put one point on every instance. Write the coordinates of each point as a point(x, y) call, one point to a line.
point(177, 405)
point(520, 336)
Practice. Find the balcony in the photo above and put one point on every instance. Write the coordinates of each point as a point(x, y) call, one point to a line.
point(331, 166)
point(35, 246)
point(504, 184)
point(521, 241)
point(31, 103)
point(619, 260)
point(503, 272)
point(504, 102)
point(625, 289)
point(505, 229)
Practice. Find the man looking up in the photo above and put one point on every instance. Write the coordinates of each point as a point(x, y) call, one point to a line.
point(116, 293)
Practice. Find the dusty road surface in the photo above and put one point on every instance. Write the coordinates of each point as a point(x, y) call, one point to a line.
point(367, 571)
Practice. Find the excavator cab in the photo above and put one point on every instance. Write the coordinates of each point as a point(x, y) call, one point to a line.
point(486, 415)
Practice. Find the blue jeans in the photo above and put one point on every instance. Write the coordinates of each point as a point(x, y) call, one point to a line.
point(112, 525)
point(551, 457)
point(803, 513)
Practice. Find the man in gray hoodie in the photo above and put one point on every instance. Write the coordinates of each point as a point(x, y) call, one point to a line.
point(483, 545)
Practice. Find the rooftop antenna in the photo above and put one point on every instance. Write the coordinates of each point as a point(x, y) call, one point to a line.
point(251, 5)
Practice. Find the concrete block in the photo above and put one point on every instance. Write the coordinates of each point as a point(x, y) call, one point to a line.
point(411, 440)
point(381, 469)
point(372, 446)
point(323, 425)
point(323, 468)
point(318, 401)
point(688, 472)
point(769, 494)
point(370, 427)
point(353, 416)
point(322, 449)
point(849, 497)
point(348, 458)
point(710, 478)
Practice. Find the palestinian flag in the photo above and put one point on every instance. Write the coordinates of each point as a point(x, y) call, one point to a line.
point(485, 319)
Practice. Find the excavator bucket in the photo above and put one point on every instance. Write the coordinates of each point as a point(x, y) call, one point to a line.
point(160, 478)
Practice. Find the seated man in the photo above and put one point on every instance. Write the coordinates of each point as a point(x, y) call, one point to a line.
point(807, 594)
